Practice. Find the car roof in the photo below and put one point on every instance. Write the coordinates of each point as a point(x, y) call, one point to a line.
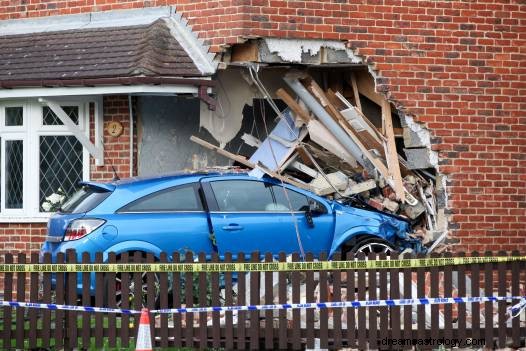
point(161, 178)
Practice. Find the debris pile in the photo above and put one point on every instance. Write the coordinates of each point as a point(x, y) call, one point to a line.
point(324, 143)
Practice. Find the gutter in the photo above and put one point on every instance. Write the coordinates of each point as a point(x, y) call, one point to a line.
point(9, 84)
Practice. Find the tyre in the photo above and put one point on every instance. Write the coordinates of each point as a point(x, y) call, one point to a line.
point(372, 245)
point(131, 294)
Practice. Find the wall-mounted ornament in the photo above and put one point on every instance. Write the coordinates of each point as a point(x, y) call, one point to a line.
point(115, 129)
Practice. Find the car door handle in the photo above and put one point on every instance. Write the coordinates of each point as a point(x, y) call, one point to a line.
point(232, 227)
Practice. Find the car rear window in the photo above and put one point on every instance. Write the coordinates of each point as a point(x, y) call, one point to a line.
point(84, 200)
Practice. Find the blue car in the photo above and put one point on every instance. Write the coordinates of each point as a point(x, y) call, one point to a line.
point(215, 212)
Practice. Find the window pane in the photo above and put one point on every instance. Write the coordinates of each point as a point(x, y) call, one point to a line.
point(298, 201)
point(14, 116)
point(242, 195)
point(14, 173)
point(84, 200)
point(177, 199)
point(60, 166)
point(51, 119)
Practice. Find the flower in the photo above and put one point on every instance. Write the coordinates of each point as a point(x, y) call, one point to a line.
point(54, 201)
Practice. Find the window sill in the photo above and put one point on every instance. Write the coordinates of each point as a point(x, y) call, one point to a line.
point(24, 219)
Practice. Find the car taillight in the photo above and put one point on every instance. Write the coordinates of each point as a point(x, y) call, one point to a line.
point(81, 227)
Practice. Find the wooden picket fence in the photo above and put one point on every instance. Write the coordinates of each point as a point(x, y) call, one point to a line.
point(476, 324)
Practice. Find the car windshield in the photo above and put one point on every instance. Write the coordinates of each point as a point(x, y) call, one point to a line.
point(84, 200)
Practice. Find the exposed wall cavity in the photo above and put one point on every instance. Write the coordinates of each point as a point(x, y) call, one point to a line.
point(234, 92)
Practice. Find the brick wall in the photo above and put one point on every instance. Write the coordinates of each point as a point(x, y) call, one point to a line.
point(457, 66)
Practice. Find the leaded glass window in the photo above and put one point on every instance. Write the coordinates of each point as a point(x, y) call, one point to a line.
point(60, 165)
point(14, 173)
point(49, 118)
point(14, 116)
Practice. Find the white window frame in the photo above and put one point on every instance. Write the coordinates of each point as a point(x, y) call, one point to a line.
point(31, 131)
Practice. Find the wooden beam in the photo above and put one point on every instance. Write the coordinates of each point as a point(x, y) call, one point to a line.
point(390, 153)
point(355, 91)
point(365, 83)
point(336, 115)
point(245, 52)
point(247, 163)
point(294, 106)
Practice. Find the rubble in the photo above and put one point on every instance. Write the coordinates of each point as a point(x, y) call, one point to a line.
point(325, 143)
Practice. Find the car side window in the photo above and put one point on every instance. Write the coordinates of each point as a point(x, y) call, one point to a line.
point(242, 195)
point(298, 201)
point(181, 198)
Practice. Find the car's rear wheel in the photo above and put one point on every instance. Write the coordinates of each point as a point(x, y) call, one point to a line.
point(126, 287)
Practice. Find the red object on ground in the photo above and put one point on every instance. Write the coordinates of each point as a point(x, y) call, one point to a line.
point(144, 336)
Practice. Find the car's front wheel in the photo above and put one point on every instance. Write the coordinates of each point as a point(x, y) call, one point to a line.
point(372, 245)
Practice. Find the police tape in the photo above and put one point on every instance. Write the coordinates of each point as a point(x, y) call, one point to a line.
point(252, 267)
point(52, 306)
point(512, 311)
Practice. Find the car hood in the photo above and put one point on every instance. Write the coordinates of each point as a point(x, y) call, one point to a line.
point(365, 222)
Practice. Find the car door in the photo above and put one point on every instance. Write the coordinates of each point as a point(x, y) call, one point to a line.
point(171, 220)
point(245, 217)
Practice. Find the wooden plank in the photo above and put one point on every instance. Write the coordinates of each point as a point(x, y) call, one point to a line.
point(356, 91)
point(229, 301)
point(245, 52)
point(269, 299)
point(189, 301)
point(59, 299)
point(296, 314)
point(421, 293)
point(373, 311)
point(254, 300)
point(365, 83)
point(362, 323)
point(282, 314)
point(33, 297)
point(313, 87)
point(214, 282)
point(99, 302)
point(126, 329)
point(247, 163)
point(163, 301)
point(488, 306)
point(448, 292)
point(503, 284)
point(176, 331)
point(324, 313)
point(391, 153)
point(71, 316)
point(394, 293)
point(8, 311)
point(515, 291)
point(86, 301)
point(203, 337)
point(434, 292)
point(475, 292)
point(351, 296)
point(383, 311)
point(241, 301)
point(20, 296)
point(46, 298)
point(337, 312)
point(298, 110)
point(408, 294)
point(461, 308)
point(309, 295)
point(111, 302)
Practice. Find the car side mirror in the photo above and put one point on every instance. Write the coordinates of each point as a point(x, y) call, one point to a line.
point(315, 208)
